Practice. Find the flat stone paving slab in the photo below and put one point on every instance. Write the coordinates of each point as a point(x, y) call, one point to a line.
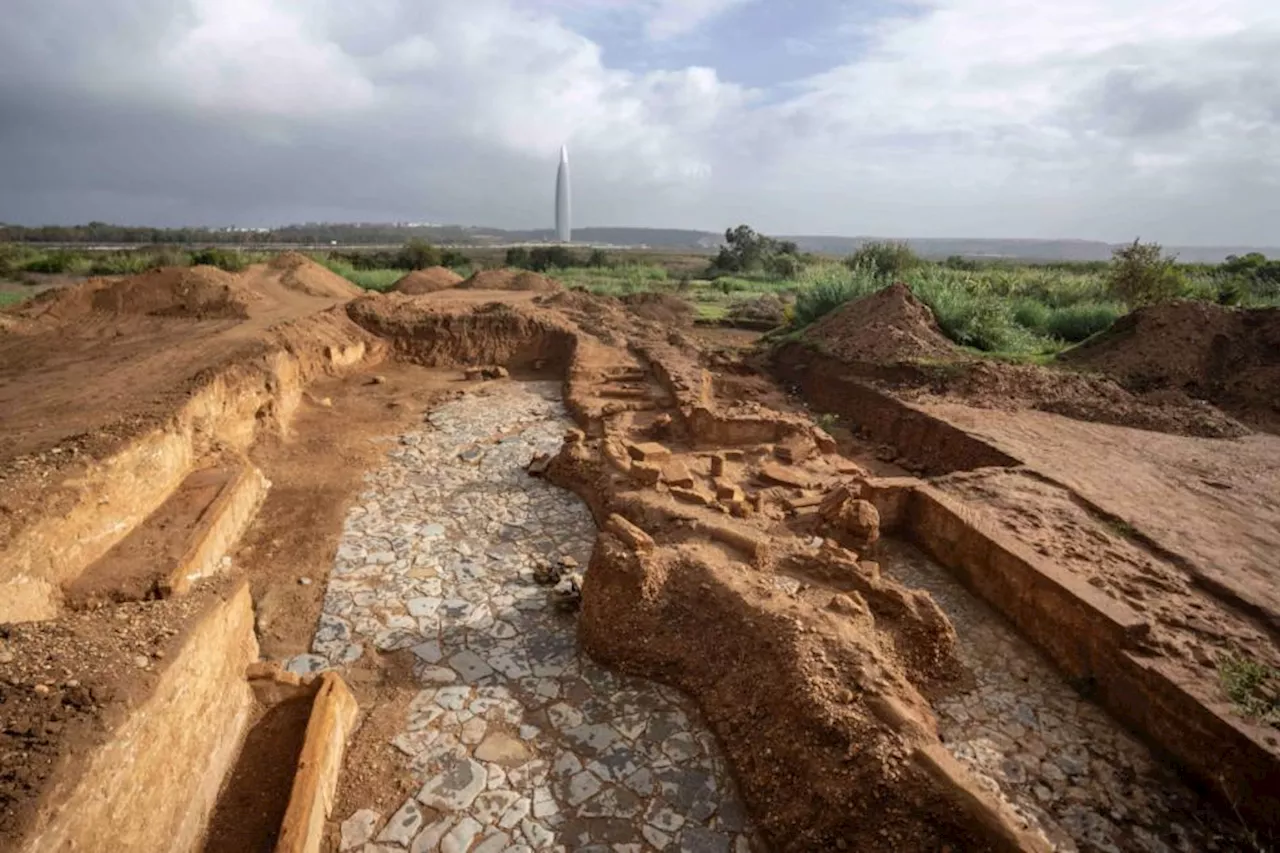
point(521, 742)
point(1070, 771)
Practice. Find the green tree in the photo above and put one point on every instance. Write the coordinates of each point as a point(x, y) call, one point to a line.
point(887, 258)
point(1142, 274)
point(418, 255)
point(518, 256)
point(598, 258)
point(745, 250)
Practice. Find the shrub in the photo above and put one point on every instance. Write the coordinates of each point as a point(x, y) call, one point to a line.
point(418, 255)
point(56, 263)
point(1032, 314)
point(1141, 274)
point(1074, 323)
point(827, 288)
point(885, 258)
point(230, 260)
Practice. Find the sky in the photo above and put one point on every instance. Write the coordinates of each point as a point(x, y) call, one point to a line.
point(1091, 119)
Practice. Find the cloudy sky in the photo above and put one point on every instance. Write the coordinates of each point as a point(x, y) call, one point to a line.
point(1101, 119)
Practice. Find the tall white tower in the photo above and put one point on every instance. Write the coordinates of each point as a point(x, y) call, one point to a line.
point(563, 231)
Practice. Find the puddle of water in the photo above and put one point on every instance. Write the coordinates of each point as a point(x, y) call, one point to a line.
point(521, 742)
point(1063, 765)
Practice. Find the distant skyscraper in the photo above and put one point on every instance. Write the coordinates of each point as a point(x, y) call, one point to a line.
point(563, 231)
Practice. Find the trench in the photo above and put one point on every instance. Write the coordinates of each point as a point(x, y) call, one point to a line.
point(520, 742)
point(1058, 760)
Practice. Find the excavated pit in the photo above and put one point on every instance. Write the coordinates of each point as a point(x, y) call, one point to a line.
point(797, 676)
point(516, 736)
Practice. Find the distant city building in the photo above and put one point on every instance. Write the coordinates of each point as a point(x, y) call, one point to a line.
point(563, 231)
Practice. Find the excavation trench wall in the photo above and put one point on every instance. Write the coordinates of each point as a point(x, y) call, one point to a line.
point(1096, 642)
point(934, 445)
point(497, 336)
point(112, 496)
point(153, 784)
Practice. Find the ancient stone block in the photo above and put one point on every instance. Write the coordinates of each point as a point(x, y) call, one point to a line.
point(648, 451)
point(676, 473)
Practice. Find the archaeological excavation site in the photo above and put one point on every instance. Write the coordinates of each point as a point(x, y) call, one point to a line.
point(496, 566)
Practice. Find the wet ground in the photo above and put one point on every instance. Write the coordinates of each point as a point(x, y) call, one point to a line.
point(520, 741)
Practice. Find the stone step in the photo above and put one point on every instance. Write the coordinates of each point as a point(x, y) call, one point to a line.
point(187, 538)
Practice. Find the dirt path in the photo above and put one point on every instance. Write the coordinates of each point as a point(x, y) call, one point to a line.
point(518, 740)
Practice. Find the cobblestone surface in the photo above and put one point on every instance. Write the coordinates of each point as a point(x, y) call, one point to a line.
point(521, 742)
point(1069, 770)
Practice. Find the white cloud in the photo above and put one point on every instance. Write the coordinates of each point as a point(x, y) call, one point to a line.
point(670, 18)
point(1096, 118)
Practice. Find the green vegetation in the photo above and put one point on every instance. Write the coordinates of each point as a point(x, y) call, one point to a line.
point(1142, 274)
point(745, 251)
point(369, 279)
point(1007, 310)
point(1252, 686)
point(884, 258)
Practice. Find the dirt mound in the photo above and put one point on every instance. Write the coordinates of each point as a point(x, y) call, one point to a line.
point(889, 325)
point(509, 279)
point(193, 292)
point(1083, 397)
point(300, 273)
point(660, 307)
point(1227, 355)
point(427, 281)
point(762, 313)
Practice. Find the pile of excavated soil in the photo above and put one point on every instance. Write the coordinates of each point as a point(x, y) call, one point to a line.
point(763, 313)
point(1227, 355)
point(890, 325)
point(193, 292)
point(510, 279)
point(300, 273)
point(664, 308)
point(994, 385)
point(427, 281)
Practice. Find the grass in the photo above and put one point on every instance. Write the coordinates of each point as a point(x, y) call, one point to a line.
point(1253, 687)
point(8, 297)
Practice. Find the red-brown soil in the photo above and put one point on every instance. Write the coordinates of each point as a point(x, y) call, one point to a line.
point(660, 307)
point(1230, 356)
point(427, 281)
point(1210, 502)
point(510, 279)
point(887, 326)
point(1082, 396)
point(65, 685)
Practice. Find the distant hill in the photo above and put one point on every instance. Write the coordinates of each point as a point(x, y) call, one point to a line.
point(669, 239)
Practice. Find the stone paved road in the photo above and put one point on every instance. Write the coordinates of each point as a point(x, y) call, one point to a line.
point(521, 742)
point(1060, 761)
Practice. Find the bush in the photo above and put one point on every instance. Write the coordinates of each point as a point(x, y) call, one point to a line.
point(1075, 323)
point(55, 263)
point(1032, 314)
point(884, 258)
point(230, 260)
point(827, 288)
point(1141, 274)
point(418, 255)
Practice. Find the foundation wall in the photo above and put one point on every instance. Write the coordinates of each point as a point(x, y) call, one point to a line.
point(116, 494)
point(934, 445)
point(153, 784)
point(1096, 642)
